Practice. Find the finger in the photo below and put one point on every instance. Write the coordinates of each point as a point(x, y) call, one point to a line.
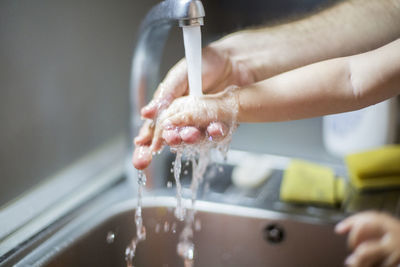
point(217, 130)
point(344, 226)
point(190, 135)
point(150, 110)
point(155, 106)
point(364, 230)
point(145, 134)
point(172, 137)
point(367, 254)
point(141, 157)
point(157, 141)
point(175, 84)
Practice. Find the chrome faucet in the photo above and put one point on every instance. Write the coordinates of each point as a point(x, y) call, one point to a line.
point(147, 56)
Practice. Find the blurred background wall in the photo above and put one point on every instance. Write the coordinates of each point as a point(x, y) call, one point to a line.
point(64, 77)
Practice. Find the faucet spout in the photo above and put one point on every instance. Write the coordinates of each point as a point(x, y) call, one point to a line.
point(186, 12)
point(147, 56)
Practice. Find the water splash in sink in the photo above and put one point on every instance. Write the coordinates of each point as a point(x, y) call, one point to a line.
point(199, 156)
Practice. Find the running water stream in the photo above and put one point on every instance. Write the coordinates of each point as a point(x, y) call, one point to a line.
point(185, 248)
point(192, 42)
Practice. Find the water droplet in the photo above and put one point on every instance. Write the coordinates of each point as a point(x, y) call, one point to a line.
point(166, 226)
point(197, 225)
point(157, 228)
point(110, 237)
point(173, 228)
point(186, 250)
point(180, 212)
point(130, 253)
point(169, 184)
point(141, 178)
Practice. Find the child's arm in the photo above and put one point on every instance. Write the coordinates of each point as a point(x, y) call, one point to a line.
point(326, 87)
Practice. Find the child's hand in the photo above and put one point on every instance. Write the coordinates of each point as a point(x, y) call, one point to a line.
point(374, 239)
point(190, 120)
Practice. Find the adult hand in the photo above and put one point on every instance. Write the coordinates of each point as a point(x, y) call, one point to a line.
point(374, 239)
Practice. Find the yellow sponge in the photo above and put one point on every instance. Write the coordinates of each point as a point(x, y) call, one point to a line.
point(378, 168)
point(306, 182)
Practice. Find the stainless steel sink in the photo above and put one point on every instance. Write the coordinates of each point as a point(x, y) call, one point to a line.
point(229, 236)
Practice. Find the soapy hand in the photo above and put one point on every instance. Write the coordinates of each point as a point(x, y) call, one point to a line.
point(374, 239)
point(219, 70)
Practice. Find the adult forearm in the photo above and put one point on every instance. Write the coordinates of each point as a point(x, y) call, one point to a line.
point(331, 86)
point(345, 29)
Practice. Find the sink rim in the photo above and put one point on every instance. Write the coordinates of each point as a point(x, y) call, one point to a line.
point(215, 207)
point(82, 225)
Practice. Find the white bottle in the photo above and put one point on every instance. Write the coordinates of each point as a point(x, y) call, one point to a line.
point(359, 130)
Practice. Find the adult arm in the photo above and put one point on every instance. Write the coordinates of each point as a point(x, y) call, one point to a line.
point(350, 27)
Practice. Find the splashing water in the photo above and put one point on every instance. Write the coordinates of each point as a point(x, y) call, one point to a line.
point(199, 155)
point(140, 228)
point(179, 210)
point(110, 237)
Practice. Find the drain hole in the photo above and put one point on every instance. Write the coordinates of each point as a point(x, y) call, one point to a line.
point(274, 233)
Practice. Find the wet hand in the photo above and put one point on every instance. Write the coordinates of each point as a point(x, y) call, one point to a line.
point(189, 120)
point(219, 70)
point(374, 239)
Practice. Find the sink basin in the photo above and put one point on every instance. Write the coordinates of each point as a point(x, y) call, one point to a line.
point(226, 235)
